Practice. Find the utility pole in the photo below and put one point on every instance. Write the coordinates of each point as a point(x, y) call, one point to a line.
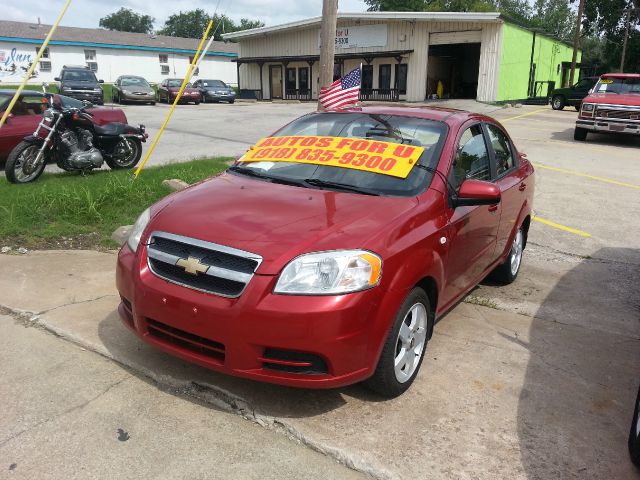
point(626, 38)
point(327, 43)
point(576, 41)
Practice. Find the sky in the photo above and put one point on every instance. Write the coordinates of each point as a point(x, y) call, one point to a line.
point(87, 13)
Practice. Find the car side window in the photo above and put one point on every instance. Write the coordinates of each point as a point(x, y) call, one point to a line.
point(472, 157)
point(501, 148)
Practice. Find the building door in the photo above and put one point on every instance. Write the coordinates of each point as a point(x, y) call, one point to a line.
point(453, 69)
point(367, 77)
point(275, 81)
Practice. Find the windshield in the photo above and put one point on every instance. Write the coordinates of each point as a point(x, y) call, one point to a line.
point(388, 128)
point(214, 83)
point(134, 82)
point(68, 102)
point(79, 76)
point(176, 83)
point(618, 85)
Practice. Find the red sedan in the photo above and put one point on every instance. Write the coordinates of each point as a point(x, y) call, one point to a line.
point(27, 113)
point(325, 255)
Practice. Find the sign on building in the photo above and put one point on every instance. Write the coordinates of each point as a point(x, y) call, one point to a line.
point(14, 64)
point(360, 36)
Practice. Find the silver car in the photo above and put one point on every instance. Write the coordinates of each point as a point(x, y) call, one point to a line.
point(129, 88)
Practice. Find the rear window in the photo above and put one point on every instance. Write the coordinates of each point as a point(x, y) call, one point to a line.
point(79, 76)
point(618, 85)
point(388, 128)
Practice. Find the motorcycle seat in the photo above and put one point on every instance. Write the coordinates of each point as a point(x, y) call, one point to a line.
point(113, 129)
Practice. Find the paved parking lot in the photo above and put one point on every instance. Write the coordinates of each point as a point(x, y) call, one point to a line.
point(532, 381)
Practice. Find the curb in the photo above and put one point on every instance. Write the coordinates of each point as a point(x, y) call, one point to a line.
point(214, 396)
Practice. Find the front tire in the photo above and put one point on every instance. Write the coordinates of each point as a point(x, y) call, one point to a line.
point(14, 168)
point(580, 134)
point(558, 102)
point(404, 348)
point(122, 158)
point(634, 435)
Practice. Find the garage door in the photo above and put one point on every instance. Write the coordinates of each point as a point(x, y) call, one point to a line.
point(466, 36)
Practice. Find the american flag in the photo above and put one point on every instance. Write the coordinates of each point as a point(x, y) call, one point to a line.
point(342, 92)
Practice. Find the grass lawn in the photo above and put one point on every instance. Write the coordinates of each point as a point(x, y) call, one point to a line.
point(67, 210)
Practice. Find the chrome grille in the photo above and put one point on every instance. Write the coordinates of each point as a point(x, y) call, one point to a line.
point(219, 269)
point(618, 113)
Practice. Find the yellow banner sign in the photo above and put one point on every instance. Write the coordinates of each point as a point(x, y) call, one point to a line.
point(368, 155)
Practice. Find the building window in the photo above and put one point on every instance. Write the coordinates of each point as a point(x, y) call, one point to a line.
point(45, 54)
point(337, 71)
point(93, 66)
point(164, 69)
point(195, 71)
point(401, 78)
point(90, 55)
point(303, 79)
point(367, 77)
point(290, 79)
point(45, 66)
point(384, 78)
point(163, 58)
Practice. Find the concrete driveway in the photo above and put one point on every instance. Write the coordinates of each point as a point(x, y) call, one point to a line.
point(532, 381)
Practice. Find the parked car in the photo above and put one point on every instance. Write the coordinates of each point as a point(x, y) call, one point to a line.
point(612, 107)
point(27, 113)
point(80, 83)
point(325, 260)
point(169, 88)
point(572, 96)
point(129, 88)
point(215, 91)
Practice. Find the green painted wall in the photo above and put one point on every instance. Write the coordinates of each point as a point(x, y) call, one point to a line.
point(515, 60)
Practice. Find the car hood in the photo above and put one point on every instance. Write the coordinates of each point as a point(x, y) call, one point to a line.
point(278, 222)
point(614, 99)
point(186, 89)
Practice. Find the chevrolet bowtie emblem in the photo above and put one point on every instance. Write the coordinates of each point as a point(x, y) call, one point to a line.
point(192, 265)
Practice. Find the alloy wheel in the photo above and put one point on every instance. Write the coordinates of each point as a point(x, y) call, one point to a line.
point(516, 252)
point(410, 343)
point(24, 169)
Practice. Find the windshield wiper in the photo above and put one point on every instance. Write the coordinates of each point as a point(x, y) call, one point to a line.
point(316, 182)
point(250, 172)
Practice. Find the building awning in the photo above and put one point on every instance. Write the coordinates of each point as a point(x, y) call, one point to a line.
point(367, 56)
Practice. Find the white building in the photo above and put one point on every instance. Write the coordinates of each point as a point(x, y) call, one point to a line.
point(108, 53)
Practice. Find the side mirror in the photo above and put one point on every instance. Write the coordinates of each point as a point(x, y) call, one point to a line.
point(477, 192)
point(57, 79)
point(100, 81)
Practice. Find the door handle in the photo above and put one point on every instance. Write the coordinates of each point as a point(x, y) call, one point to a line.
point(493, 208)
point(522, 187)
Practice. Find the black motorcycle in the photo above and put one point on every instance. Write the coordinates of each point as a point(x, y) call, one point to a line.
point(75, 143)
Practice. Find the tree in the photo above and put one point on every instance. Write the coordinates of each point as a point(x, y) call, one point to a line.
point(554, 17)
point(193, 23)
point(126, 20)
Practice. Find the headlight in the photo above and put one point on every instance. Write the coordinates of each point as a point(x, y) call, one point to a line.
point(587, 107)
point(97, 90)
point(126, 92)
point(48, 115)
point(330, 273)
point(136, 231)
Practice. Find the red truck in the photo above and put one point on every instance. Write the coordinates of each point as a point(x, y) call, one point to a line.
point(613, 106)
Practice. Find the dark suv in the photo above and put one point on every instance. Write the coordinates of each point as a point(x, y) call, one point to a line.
point(80, 83)
point(572, 96)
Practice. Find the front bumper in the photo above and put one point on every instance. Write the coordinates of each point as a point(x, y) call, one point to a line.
point(186, 98)
point(235, 335)
point(132, 97)
point(218, 97)
point(609, 126)
point(93, 97)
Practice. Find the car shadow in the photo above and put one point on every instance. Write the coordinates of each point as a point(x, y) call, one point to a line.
point(608, 139)
point(577, 398)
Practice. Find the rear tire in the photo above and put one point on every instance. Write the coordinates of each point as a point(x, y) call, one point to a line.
point(580, 134)
point(558, 102)
point(13, 168)
point(404, 348)
point(231, 102)
point(122, 159)
point(508, 271)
